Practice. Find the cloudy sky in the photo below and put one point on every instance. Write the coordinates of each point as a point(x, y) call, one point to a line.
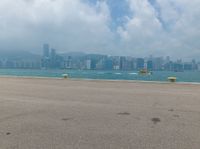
point(115, 27)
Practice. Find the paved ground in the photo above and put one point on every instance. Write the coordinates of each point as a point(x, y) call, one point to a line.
point(66, 114)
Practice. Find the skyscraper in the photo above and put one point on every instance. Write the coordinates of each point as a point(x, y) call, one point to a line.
point(140, 63)
point(53, 58)
point(53, 53)
point(46, 50)
point(45, 59)
point(68, 62)
point(88, 64)
point(150, 65)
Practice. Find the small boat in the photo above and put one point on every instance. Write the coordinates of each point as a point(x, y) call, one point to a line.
point(144, 72)
point(172, 79)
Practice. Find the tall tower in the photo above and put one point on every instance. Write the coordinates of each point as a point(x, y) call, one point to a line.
point(53, 53)
point(46, 50)
point(46, 59)
point(53, 58)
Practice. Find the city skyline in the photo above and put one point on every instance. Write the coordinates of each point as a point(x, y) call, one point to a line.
point(53, 59)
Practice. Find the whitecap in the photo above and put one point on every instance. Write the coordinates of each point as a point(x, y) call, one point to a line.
point(118, 73)
point(133, 73)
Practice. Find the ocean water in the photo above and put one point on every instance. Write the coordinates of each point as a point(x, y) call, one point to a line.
point(110, 75)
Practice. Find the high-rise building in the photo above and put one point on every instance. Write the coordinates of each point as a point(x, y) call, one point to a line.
point(53, 59)
point(53, 53)
point(198, 67)
point(88, 64)
point(46, 50)
point(68, 62)
point(140, 63)
point(158, 63)
point(167, 60)
point(150, 65)
point(116, 62)
point(194, 64)
point(122, 62)
point(46, 58)
point(108, 64)
point(187, 66)
point(178, 67)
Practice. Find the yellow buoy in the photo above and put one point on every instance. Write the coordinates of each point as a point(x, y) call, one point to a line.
point(65, 76)
point(172, 79)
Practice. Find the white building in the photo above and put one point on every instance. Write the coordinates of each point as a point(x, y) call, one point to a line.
point(88, 64)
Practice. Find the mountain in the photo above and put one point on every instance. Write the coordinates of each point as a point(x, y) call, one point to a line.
point(73, 54)
point(17, 55)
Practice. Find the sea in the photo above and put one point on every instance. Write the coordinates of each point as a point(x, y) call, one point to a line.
point(187, 76)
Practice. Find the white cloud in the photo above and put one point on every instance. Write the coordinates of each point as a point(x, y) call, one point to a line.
point(170, 28)
point(145, 33)
point(66, 24)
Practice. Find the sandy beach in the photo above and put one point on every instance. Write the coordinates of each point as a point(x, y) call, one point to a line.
point(78, 114)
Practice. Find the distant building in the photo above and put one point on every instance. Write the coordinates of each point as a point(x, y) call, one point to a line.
point(168, 66)
point(53, 59)
point(88, 64)
point(150, 65)
point(122, 62)
point(46, 56)
point(100, 64)
point(194, 65)
point(94, 64)
point(116, 67)
point(187, 66)
point(140, 63)
point(158, 63)
point(46, 50)
point(53, 54)
point(198, 66)
point(116, 62)
point(68, 63)
point(108, 64)
point(178, 67)
point(167, 60)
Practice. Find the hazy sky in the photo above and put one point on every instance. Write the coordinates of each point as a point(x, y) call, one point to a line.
point(116, 27)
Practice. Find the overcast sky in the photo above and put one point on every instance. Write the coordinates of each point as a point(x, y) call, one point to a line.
point(115, 27)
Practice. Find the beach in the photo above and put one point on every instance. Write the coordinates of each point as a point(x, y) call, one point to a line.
point(44, 113)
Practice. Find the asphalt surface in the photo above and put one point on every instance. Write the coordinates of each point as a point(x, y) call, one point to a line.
point(69, 114)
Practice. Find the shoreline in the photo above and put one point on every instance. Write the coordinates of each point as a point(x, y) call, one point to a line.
point(99, 80)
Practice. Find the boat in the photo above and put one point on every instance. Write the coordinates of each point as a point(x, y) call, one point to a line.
point(172, 79)
point(65, 76)
point(144, 72)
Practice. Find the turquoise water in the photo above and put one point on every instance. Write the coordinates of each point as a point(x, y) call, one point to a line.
point(111, 75)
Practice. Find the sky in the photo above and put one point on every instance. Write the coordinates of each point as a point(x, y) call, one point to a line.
point(113, 27)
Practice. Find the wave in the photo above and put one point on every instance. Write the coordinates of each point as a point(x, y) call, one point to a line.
point(133, 73)
point(118, 73)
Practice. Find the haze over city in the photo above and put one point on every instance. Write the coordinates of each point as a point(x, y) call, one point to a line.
point(113, 27)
